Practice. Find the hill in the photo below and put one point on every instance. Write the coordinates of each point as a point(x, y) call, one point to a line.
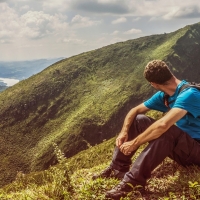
point(84, 99)
point(72, 178)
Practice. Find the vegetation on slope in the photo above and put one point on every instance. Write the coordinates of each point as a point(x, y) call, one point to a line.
point(72, 179)
point(82, 99)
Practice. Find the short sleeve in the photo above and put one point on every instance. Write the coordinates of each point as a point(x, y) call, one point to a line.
point(189, 100)
point(156, 102)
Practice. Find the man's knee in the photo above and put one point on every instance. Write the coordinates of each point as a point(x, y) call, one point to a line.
point(143, 120)
point(141, 117)
point(140, 124)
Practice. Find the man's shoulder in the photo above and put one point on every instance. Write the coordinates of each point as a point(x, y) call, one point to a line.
point(190, 91)
point(186, 85)
point(159, 94)
point(189, 95)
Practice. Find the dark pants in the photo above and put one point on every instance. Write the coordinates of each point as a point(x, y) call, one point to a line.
point(174, 143)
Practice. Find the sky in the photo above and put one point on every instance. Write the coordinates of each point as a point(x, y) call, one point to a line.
point(35, 29)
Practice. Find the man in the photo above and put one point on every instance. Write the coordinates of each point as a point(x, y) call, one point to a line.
point(180, 142)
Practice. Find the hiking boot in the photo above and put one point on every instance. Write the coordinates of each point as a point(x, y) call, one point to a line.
point(109, 172)
point(120, 190)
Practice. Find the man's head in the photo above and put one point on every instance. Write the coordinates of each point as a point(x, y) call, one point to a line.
point(157, 72)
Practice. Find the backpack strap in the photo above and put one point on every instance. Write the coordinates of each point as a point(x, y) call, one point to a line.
point(166, 96)
point(191, 84)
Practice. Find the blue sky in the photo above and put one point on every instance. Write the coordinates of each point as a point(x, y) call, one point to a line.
point(34, 29)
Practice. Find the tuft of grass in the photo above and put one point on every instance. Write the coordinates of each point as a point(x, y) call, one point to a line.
point(52, 184)
point(72, 178)
point(169, 181)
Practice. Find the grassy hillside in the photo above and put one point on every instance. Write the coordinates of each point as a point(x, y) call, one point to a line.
point(72, 179)
point(83, 99)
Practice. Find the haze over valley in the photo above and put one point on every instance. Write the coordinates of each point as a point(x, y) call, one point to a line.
point(15, 71)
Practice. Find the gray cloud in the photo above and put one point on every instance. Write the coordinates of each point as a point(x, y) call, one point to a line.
point(191, 12)
point(188, 12)
point(37, 25)
point(58, 27)
point(97, 7)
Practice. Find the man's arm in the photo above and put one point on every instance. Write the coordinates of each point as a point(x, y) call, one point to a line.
point(123, 136)
point(154, 131)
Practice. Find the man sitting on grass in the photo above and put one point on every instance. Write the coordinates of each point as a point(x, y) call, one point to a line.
point(180, 142)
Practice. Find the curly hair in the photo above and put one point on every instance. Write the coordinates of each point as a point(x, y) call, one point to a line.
point(158, 72)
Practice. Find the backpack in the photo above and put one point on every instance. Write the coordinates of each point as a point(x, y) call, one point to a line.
point(191, 84)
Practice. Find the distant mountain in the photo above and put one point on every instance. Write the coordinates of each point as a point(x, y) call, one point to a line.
point(23, 69)
point(2, 87)
point(84, 99)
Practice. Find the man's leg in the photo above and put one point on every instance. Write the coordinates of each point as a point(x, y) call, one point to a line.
point(173, 143)
point(121, 163)
point(186, 151)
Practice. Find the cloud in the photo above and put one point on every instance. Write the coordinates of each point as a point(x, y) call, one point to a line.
point(114, 33)
point(150, 8)
point(108, 1)
point(9, 24)
point(25, 7)
point(39, 24)
point(119, 20)
point(73, 41)
point(32, 24)
point(136, 19)
point(158, 9)
point(58, 5)
point(99, 7)
point(133, 31)
point(80, 21)
point(4, 41)
point(183, 12)
point(60, 24)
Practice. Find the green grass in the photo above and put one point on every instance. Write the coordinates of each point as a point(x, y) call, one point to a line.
point(168, 181)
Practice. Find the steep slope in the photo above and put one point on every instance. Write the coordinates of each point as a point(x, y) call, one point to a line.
point(185, 55)
point(83, 99)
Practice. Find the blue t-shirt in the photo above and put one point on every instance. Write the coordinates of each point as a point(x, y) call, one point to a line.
point(188, 99)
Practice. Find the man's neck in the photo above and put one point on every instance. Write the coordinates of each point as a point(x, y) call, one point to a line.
point(170, 88)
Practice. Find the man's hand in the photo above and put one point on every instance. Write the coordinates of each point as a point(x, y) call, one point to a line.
point(127, 147)
point(123, 137)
